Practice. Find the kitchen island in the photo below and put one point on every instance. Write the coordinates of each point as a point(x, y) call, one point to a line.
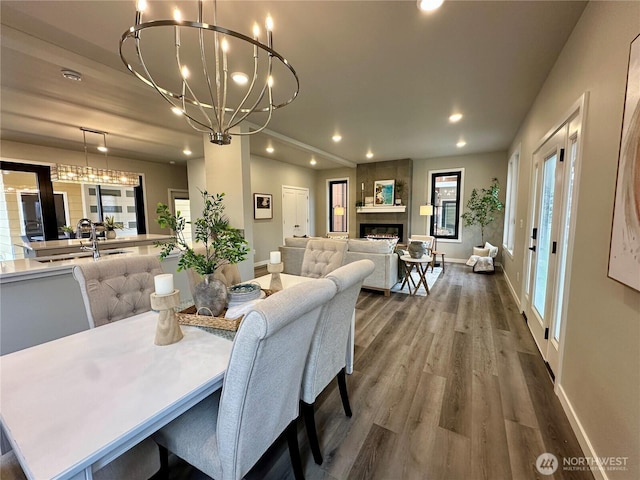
point(41, 301)
point(60, 247)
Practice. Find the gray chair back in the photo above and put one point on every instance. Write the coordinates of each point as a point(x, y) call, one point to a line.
point(327, 354)
point(113, 289)
point(322, 256)
point(261, 391)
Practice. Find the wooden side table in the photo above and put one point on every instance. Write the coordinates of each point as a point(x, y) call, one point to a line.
point(421, 264)
point(434, 254)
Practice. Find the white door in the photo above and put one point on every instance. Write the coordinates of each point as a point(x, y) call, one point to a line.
point(553, 199)
point(295, 211)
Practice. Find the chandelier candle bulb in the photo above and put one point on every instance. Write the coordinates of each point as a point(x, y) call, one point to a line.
point(163, 284)
point(274, 257)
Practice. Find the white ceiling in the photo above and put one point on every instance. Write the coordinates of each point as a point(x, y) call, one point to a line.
point(382, 73)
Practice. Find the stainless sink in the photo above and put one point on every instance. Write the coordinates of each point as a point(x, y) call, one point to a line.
point(73, 256)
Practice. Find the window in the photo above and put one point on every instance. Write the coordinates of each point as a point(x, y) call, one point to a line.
point(445, 188)
point(508, 239)
point(338, 201)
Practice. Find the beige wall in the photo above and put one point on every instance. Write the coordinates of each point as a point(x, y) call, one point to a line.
point(268, 176)
point(158, 177)
point(479, 169)
point(322, 216)
point(600, 373)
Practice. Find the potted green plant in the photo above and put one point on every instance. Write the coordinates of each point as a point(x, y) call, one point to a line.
point(110, 226)
point(220, 244)
point(482, 206)
point(68, 231)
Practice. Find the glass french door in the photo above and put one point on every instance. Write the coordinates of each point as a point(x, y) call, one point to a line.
point(554, 172)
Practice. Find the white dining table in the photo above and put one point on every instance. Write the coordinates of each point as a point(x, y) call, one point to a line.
point(72, 405)
point(289, 280)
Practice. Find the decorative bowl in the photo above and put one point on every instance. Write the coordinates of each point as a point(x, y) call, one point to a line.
point(243, 292)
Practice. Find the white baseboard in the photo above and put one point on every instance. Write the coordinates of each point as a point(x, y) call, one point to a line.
point(513, 293)
point(581, 435)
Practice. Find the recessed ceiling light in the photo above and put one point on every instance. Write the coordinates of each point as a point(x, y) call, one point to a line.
point(102, 148)
point(186, 151)
point(337, 137)
point(269, 149)
point(172, 162)
point(313, 161)
point(176, 110)
point(369, 155)
point(461, 143)
point(240, 78)
point(429, 5)
point(456, 117)
point(71, 75)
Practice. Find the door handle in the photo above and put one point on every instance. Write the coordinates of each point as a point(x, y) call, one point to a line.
point(533, 249)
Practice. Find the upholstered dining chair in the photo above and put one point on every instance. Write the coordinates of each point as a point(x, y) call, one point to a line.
point(322, 256)
point(117, 288)
point(228, 432)
point(114, 289)
point(326, 359)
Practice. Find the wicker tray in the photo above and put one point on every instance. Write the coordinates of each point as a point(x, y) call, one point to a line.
point(188, 316)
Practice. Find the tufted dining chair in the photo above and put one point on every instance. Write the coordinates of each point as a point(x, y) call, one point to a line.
point(327, 358)
point(228, 432)
point(10, 467)
point(322, 256)
point(114, 289)
point(117, 288)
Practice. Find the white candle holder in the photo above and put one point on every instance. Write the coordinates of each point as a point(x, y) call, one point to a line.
point(168, 330)
point(275, 269)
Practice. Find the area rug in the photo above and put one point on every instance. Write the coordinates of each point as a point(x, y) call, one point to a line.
point(431, 280)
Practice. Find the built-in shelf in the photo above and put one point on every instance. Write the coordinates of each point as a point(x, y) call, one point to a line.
point(381, 209)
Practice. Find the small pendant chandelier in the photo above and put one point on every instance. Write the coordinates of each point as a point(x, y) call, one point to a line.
point(198, 68)
point(86, 174)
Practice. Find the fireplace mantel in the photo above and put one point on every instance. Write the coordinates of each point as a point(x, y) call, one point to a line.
point(389, 209)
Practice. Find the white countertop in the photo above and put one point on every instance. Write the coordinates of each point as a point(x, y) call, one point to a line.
point(56, 244)
point(16, 270)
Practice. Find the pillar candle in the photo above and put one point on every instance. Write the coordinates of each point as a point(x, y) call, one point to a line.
point(274, 257)
point(163, 284)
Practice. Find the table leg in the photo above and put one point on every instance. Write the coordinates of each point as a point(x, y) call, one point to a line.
point(422, 271)
point(351, 344)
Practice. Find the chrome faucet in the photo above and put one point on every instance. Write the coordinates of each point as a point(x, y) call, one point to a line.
point(93, 238)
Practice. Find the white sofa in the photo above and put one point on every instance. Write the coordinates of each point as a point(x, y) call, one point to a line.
point(380, 252)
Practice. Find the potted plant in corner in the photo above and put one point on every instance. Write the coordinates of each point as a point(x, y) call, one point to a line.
point(482, 206)
point(221, 244)
point(400, 184)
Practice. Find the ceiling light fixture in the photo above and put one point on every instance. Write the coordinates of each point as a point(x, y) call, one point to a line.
point(202, 91)
point(87, 174)
point(269, 149)
point(313, 161)
point(336, 138)
point(186, 151)
point(240, 78)
point(461, 143)
point(176, 110)
point(369, 155)
point(429, 5)
point(456, 117)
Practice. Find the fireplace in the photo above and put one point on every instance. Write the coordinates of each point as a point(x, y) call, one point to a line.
point(382, 230)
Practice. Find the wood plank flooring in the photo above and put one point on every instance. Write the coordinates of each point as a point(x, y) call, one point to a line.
point(449, 386)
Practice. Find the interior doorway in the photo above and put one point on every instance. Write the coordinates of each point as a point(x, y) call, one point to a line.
point(295, 211)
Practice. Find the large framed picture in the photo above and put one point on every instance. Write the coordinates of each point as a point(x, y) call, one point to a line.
point(262, 205)
point(624, 252)
point(383, 192)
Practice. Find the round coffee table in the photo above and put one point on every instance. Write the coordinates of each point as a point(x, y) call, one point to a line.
point(421, 264)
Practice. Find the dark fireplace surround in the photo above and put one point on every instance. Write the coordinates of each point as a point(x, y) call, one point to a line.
point(382, 230)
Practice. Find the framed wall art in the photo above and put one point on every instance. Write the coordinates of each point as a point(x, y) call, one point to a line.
point(262, 206)
point(624, 252)
point(383, 192)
